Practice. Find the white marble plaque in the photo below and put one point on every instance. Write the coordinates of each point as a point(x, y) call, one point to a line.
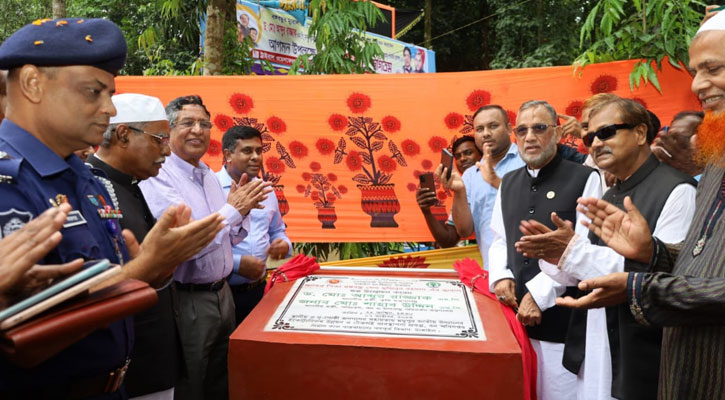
point(379, 306)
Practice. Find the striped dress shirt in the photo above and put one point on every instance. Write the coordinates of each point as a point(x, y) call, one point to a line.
point(689, 301)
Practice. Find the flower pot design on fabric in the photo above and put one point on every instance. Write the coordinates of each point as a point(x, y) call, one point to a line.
point(272, 128)
point(380, 203)
point(368, 152)
point(281, 199)
point(324, 192)
point(327, 216)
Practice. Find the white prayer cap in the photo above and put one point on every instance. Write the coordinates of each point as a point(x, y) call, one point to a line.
point(132, 107)
point(715, 23)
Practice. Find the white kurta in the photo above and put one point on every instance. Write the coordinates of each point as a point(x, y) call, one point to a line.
point(553, 380)
point(583, 260)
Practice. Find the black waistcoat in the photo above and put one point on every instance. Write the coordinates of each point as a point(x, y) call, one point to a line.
point(156, 359)
point(555, 189)
point(635, 348)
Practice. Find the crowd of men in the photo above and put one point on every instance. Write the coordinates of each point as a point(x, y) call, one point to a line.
point(613, 261)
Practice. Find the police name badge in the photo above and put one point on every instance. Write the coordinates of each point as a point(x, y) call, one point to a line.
point(74, 218)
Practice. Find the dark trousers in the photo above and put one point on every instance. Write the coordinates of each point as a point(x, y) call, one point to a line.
point(246, 297)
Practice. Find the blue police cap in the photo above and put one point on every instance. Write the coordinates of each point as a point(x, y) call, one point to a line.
point(70, 41)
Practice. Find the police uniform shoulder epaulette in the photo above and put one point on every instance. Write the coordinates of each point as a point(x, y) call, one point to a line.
point(9, 167)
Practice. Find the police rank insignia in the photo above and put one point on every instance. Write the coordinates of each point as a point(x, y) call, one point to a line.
point(59, 199)
point(12, 220)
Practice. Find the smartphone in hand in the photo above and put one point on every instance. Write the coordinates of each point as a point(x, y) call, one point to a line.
point(447, 162)
point(428, 181)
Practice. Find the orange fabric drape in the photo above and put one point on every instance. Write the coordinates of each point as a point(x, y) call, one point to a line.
point(345, 150)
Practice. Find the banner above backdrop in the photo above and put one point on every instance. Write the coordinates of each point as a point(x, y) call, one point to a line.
point(280, 37)
point(345, 151)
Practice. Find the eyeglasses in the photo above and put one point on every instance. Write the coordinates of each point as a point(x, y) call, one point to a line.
point(188, 124)
point(604, 133)
point(539, 129)
point(161, 140)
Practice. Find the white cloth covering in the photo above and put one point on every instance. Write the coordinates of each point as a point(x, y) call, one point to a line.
point(583, 260)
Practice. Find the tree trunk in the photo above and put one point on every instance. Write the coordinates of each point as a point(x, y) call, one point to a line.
point(427, 32)
point(58, 9)
point(214, 38)
point(485, 48)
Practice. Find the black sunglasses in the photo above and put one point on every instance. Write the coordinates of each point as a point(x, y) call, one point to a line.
point(604, 133)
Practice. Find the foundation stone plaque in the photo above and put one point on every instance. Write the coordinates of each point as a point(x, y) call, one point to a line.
point(379, 306)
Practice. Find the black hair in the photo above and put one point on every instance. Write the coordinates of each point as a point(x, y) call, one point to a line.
point(654, 126)
point(229, 140)
point(688, 113)
point(493, 107)
point(464, 139)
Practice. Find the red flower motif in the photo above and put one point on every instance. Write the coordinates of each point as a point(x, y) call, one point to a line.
point(410, 148)
point(342, 189)
point(453, 120)
point(315, 195)
point(417, 174)
point(276, 125)
point(390, 124)
point(427, 164)
point(332, 177)
point(337, 122)
point(215, 148)
point(223, 122)
point(640, 101)
point(274, 165)
point(386, 163)
point(582, 148)
point(512, 117)
point(315, 166)
point(604, 84)
point(298, 149)
point(241, 103)
point(412, 187)
point(301, 188)
point(442, 195)
point(574, 109)
point(358, 103)
point(306, 176)
point(478, 99)
point(353, 160)
point(331, 198)
point(437, 143)
point(325, 146)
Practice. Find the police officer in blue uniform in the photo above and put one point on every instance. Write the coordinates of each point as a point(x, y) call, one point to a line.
point(60, 82)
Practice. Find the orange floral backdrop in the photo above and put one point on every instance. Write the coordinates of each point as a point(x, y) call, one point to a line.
point(345, 151)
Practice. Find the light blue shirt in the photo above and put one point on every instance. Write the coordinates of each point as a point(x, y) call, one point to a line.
point(266, 225)
point(482, 196)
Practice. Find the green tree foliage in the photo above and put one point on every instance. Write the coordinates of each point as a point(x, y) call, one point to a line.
point(338, 27)
point(648, 30)
point(535, 33)
point(494, 34)
point(17, 13)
